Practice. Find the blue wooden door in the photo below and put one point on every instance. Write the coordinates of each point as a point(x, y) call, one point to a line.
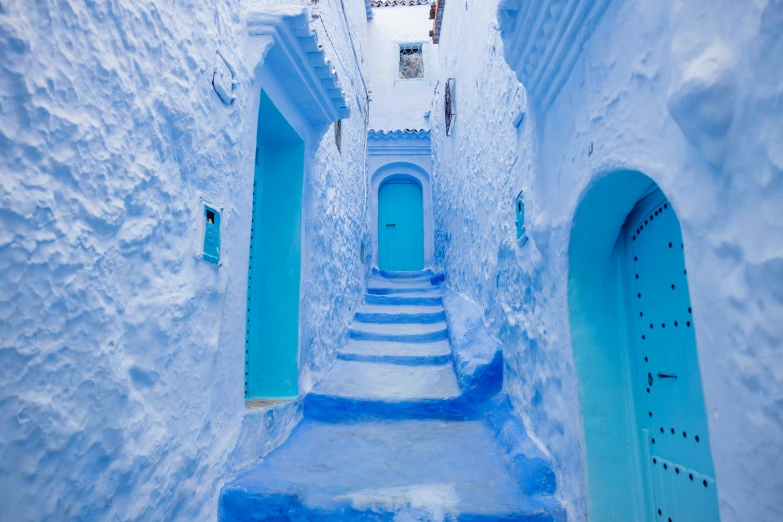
point(677, 469)
point(400, 226)
point(274, 264)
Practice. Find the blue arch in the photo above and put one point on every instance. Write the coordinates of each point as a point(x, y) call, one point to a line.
point(597, 348)
point(399, 168)
point(407, 177)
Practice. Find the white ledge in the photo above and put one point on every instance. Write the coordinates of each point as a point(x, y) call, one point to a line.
point(292, 52)
point(414, 142)
point(542, 40)
point(392, 3)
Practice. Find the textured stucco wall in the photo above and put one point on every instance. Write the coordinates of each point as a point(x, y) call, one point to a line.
point(689, 93)
point(398, 103)
point(121, 357)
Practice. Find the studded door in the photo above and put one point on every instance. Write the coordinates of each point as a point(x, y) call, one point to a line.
point(670, 414)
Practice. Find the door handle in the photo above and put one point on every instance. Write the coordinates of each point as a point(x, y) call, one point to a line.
point(391, 224)
point(665, 376)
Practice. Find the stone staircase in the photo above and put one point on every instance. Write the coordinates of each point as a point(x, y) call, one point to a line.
point(388, 433)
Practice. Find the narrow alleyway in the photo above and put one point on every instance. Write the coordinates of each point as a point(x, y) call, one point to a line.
point(409, 260)
point(389, 432)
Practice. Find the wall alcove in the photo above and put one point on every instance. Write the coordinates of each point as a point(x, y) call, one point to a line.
point(645, 426)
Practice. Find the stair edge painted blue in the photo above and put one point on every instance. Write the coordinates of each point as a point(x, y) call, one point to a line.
point(478, 356)
point(400, 318)
point(406, 360)
point(360, 335)
point(385, 299)
point(389, 274)
point(531, 468)
point(236, 504)
point(330, 408)
point(391, 290)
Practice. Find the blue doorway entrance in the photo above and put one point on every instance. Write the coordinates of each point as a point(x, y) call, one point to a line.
point(272, 323)
point(669, 405)
point(632, 334)
point(400, 225)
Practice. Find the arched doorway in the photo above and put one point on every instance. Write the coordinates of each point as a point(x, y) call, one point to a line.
point(647, 443)
point(400, 224)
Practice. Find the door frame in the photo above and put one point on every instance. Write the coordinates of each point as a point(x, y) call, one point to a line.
point(422, 177)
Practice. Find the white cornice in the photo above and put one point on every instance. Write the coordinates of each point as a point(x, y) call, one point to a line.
point(295, 57)
point(412, 142)
point(542, 40)
point(393, 3)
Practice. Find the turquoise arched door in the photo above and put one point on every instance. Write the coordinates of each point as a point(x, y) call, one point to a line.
point(400, 225)
point(671, 419)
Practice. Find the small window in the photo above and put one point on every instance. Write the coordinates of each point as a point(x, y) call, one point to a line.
point(338, 135)
point(519, 210)
point(411, 61)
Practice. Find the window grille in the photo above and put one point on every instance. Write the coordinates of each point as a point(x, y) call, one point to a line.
point(449, 105)
point(411, 61)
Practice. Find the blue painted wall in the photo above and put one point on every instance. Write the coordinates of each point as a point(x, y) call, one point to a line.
point(640, 97)
point(122, 355)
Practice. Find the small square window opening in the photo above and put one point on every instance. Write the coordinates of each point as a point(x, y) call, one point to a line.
point(411, 61)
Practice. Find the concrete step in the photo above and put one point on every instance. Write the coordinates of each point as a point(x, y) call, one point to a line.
point(399, 332)
point(414, 274)
point(432, 298)
point(384, 286)
point(438, 352)
point(360, 390)
point(400, 314)
point(382, 470)
point(378, 289)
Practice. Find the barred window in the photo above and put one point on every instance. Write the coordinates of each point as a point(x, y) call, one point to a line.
point(411, 61)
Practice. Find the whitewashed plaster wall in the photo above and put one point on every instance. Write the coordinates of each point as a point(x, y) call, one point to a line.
point(399, 103)
point(650, 88)
point(121, 359)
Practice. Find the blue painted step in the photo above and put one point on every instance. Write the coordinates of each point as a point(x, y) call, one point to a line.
point(411, 470)
point(400, 314)
point(403, 333)
point(408, 299)
point(392, 433)
point(415, 274)
point(369, 390)
point(413, 354)
point(411, 289)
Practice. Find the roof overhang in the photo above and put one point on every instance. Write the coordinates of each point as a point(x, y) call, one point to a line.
point(290, 50)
